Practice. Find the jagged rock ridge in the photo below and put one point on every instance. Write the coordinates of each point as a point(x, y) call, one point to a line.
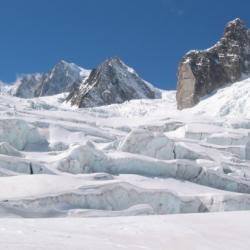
point(60, 79)
point(111, 82)
point(202, 72)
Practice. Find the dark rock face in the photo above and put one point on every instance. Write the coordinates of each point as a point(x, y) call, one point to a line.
point(202, 72)
point(111, 82)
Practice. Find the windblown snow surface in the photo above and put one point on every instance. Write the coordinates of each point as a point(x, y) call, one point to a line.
point(142, 157)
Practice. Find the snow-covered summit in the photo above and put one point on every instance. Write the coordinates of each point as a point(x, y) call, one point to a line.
point(111, 82)
point(60, 78)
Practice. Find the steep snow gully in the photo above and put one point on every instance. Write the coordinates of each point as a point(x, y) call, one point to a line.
point(140, 157)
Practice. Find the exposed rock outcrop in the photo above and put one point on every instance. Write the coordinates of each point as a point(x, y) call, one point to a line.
point(111, 82)
point(200, 72)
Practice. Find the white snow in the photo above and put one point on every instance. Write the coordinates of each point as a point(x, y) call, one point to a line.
point(230, 101)
point(141, 157)
point(214, 231)
point(20, 134)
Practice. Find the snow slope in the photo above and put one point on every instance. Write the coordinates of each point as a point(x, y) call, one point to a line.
point(230, 101)
point(214, 231)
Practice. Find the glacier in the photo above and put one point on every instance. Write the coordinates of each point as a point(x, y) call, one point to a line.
point(116, 153)
point(141, 157)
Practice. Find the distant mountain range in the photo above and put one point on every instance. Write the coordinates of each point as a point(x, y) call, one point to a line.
point(111, 82)
point(60, 78)
point(200, 72)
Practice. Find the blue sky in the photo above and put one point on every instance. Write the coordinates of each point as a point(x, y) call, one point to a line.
point(149, 35)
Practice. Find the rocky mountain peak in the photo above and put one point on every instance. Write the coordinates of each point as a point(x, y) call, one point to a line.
point(200, 72)
point(66, 66)
point(61, 78)
point(114, 64)
point(111, 82)
point(62, 62)
point(115, 60)
point(109, 64)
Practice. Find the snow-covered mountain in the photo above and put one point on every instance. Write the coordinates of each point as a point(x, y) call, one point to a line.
point(61, 78)
point(111, 82)
point(214, 231)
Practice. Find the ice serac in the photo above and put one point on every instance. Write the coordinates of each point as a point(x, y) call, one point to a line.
point(111, 82)
point(200, 72)
point(60, 79)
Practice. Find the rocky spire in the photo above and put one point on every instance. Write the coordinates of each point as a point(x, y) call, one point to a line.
point(111, 82)
point(202, 72)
